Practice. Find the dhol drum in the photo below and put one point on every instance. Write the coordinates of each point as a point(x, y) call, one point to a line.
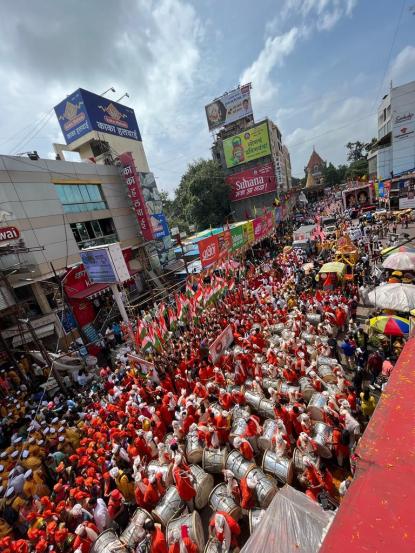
point(213, 460)
point(309, 338)
point(274, 340)
point(237, 463)
point(322, 434)
point(313, 318)
point(213, 546)
point(194, 449)
point(266, 487)
point(321, 360)
point(316, 406)
point(238, 429)
point(240, 411)
point(270, 383)
point(134, 531)
point(299, 463)
point(108, 542)
point(168, 507)
point(266, 409)
point(279, 467)
point(268, 430)
point(220, 500)
point(287, 389)
point(166, 471)
point(194, 525)
point(277, 328)
point(203, 486)
point(287, 334)
point(325, 372)
point(255, 516)
point(306, 388)
point(253, 399)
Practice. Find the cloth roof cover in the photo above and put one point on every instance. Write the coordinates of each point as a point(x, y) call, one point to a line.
point(400, 297)
point(333, 267)
point(292, 522)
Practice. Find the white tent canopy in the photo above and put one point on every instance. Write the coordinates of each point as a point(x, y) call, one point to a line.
point(292, 522)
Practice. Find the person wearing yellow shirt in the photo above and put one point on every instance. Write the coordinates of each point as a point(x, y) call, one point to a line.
point(34, 485)
point(123, 483)
point(367, 404)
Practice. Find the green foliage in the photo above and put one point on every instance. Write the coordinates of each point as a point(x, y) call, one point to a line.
point(201, 199)
point(358, 168)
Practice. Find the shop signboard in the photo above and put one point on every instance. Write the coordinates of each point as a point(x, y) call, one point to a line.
point(222, 342)
point(105, 264)
point(252, 182)
point(135, 192)
point(259, 228)
point(9, 233)
point(208, 250)
point(230, 107)
point(82, 112)
point(237, 237)
point(246, 146)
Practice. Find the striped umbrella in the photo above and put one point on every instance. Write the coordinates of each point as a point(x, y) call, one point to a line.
point(390, 325)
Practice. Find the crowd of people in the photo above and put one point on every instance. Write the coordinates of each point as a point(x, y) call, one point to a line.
point(295, 378)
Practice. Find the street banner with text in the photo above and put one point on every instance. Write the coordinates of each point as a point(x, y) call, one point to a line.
point(222, 342)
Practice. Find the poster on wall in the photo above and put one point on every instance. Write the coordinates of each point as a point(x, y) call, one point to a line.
point(243, 147)
point(208, 250)
point(230, 107)
point(252, 182)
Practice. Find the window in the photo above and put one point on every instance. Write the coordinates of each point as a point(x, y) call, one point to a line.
point(94, 233)
point(76, 198)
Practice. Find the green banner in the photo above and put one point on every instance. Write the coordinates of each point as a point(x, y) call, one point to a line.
point(237, 238)
point(246, 146)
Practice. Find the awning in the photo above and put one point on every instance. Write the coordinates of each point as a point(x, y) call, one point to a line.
point(93, 290)
point(40, 332)
point(333, 267)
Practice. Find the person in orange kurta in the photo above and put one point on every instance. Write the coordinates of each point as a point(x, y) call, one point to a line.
point(244, 447)
point(247, 495)
point(225, 529)
point(184, 483)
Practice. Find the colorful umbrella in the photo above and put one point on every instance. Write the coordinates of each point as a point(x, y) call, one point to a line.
point(402, 261)
point(397, 249)
point(390, 325)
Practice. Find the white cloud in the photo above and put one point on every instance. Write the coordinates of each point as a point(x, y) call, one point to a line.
point(402, 69)
point(273, 54)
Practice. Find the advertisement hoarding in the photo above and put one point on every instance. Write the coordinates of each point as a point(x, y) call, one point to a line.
point(252, 182)
point(105, 264)
point(132, 180)
point(83, 111)
point(260, 228)
point(357, 197)
point(160, 225)
point(208, 250)
point(222, 342)
point(237, 237)
point(403, 129)
point(225, 243)
point(230, 107)
point(248, 145)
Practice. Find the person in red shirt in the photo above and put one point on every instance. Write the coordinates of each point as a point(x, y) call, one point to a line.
point(154, 540)
point(184, 483)
point(244, 447)
point(312, 479)
point(225, 529)
point(181, 542)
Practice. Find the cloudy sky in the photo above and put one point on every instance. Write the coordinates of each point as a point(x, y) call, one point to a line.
point(317, 67)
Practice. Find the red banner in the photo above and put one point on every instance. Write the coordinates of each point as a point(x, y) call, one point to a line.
point(132, 180)
point(209, 250)
point(222, 342)
point(260, 228)
point(225, 243)
point(252, 182)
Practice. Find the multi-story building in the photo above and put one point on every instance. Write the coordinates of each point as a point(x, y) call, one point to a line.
point(396, 132)
point(256, 165)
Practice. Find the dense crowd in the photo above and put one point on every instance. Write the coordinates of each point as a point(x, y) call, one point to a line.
point(295, 379)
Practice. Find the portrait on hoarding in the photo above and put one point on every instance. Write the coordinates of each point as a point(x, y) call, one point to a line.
point(216, 113)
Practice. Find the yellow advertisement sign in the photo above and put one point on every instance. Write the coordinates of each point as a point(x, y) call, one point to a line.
point(246, 146)
point(248, 232)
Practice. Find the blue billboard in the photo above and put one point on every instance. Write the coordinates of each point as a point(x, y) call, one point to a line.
point(160, 225)
point(83, 111)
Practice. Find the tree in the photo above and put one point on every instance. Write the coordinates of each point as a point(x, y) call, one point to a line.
point(358, 168)
point(202, 197)
point(330, 175)
point(355, 150)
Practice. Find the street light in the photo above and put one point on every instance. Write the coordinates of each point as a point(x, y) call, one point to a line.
point(126, 95)
point(110, 88)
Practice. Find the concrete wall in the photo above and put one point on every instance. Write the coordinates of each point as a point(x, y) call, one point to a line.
point(27, 191)
point(403, 127)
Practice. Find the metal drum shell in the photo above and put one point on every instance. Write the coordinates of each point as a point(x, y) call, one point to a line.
point(273, 383)
point(325, 373)
point(254, 517)
point(277, 328)
point(166, 470)
point(204, 485)
point(269, 428)
point(322, 360)
point(298, 460)
point(288, 388)
point(214, 460)
point(130, 536)
point(313, 318)
point(168, 507)
point(316, 406)
point(108, 542)
point(266, 409)
point(239, 412)
point(279, 467)
point(220, 500)
point(306, 388)
point(238, 429)
point(253, 399)
point(308, 338)
point(194, 449)
point(195, 526)
point(213, 546)
point(265, 489)
point(322, 434)
point(237, 463)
